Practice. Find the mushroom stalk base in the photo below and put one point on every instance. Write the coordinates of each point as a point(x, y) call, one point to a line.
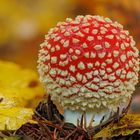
point(73, 115)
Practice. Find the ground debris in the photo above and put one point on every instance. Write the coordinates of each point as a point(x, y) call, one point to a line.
point(49, 124)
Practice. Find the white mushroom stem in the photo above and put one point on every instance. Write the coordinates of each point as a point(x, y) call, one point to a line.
point(73, 115)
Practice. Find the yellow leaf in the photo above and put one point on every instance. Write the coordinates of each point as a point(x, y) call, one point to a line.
point(129, 124)
point(18, 89)
point(13, 118)
point(19, 84)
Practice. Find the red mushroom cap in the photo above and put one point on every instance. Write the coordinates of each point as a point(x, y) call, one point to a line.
point(89, 62)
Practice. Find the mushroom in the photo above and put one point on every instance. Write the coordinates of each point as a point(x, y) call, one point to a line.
point(88, 64)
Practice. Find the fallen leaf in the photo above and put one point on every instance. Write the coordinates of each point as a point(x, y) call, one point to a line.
point(19, 88)
point(19, 84)
point(13, 118)
point(129, 124)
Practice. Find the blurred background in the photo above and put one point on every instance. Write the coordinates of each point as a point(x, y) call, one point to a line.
point(24, 23)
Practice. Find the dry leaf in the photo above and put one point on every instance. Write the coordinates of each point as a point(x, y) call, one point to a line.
point(19, 84)
point(129, 124)
point(18, 89)
point(13, 118)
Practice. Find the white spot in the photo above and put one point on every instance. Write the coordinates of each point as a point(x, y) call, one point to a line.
point(92, 55)
point(94, 87)
point(122, 46)
point(118, 72)
point(107, 45)
point(52, 72)
point(64, 73)
point(109, 70)
point(103, 65)
point(70, 50)
point(62, 41)
point(107, 25)
point(42, 51)
point(98, 47)
point(103, 30)
point(114, 31)
point(75, 22)
point(81, 66)
point(102, 72)
point(101, 55)
point(123, 58)
point(68, 19)
point(66, 43)
point(96, 72)
point(123, 71)
point(63, 56)
point(48, 57)
point(109, 89)
point(60, 23)
point(94, 31)
point(109, 61)
point(68, 83)
point(126, 44)
point(122, 36)
point(115, 53)
point(53, 60)
point(57, 47)
point(118, 38)
point(129, 75)
point(108, 20)
point(126, 32)
point(90, 65)
point(85, 45)
point(79, 77)
point(67, 33)
point(127, 67)
point(85, 24)
point(96, 80)
point(130, 63)
point(104, 76)
point(109, 36)
point(75, 40)
point(86, 30)
point(118, 25)
point(84, 79)
point(90, 38)
point(116, 83)
point(115, 65)
point(99, 37)
point(62, 81)
point(72, 79)
point(122, 76)
point(103, 84)
point(96, 24)
point(76, 28)
point(78, 52)
point(80, 34)
point(132, 43)
point(53, 36)
point(97, 63)
point(64, 63)
point(52, 49)
point(74, 57)
point(86, 54)
point(72, 68)
point(89, 75)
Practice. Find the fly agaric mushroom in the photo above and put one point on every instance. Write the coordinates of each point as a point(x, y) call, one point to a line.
point(88, 64)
